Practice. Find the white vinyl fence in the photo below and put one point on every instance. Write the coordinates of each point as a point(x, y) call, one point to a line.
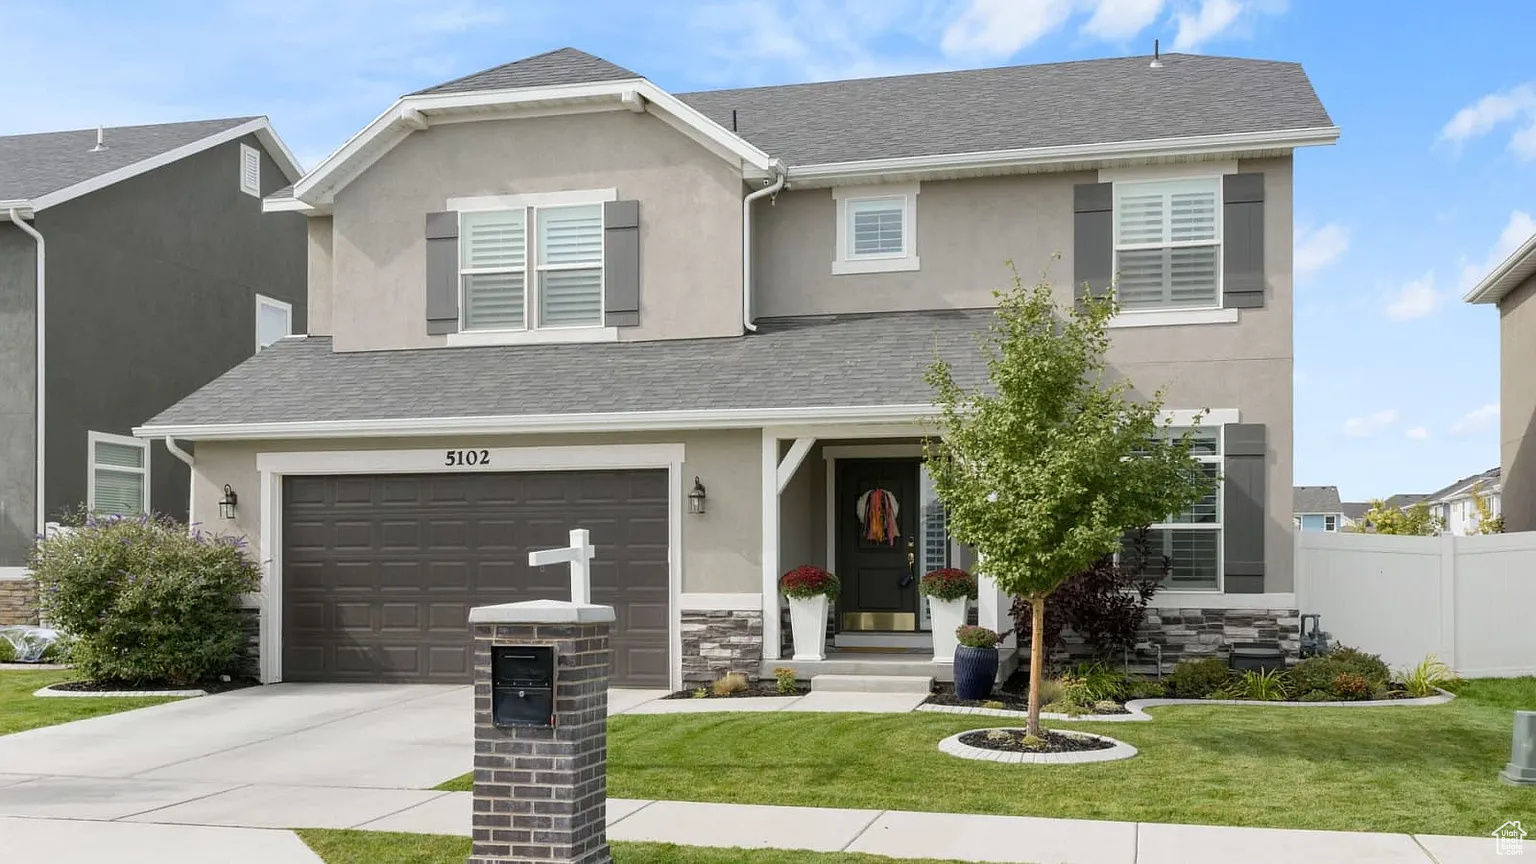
point(1471, 601)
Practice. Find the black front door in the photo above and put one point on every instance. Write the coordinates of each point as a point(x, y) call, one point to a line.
point(876, 519)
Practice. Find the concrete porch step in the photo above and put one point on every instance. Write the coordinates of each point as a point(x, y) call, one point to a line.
point(871, 683)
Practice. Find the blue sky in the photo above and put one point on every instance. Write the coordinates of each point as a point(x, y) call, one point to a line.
point(1431, 184)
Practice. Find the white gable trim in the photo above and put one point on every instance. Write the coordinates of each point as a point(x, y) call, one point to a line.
point(260, 127)
point(414, 113)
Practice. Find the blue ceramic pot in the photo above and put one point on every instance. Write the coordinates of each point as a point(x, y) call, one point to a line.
point(975, 669)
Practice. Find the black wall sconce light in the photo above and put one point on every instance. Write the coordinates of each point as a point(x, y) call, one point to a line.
point(696, 498)
point(227, 503)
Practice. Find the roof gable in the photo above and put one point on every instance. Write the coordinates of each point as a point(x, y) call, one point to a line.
point(552, 68)
point(1315, 499)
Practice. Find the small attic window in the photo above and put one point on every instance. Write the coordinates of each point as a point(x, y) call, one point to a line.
point(250, 170)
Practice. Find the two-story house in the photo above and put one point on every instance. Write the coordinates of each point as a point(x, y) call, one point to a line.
point(553, 295)
point(136, 265)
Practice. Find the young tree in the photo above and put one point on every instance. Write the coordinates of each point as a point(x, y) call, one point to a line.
point(1482, 502)
point(1415, 520)
point(1044, 472)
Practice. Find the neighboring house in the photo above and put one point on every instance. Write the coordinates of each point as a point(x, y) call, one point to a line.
point(1455, 504)
point(136, 265)
point(553, 295)
point(1511, 286)
point(1354, 512)
point(1317, 508)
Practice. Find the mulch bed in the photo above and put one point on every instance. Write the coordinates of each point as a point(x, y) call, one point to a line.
point(1013, 693)
point(209, 687)
point(759, 688)
point(1053, 742)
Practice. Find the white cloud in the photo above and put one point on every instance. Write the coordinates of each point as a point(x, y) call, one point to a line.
point(1201, 25)
point(1119, 20)
point(1415, 299)
point(1002, 28)
point(998, 29)
point(1317, 249)
point(1517, 230)
point(1371, 424)
point(1517, 104)
point(1418, 433)
point(1476, 420)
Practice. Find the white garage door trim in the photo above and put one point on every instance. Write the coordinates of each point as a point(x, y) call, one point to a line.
point(274, 466)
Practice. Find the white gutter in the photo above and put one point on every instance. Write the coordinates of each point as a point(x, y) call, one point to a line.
point(626, 421)
point(42, 423)
point(746, 241)
point(171, 445)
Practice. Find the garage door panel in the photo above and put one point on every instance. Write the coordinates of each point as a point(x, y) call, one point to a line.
point(380, 572)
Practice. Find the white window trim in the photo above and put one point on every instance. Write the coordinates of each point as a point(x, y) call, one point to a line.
point(843, 263)
point(1127, 318)
point(247, 152)
point(263, 301)
point(1219, 242)
point(91, 439)
point(530, 203)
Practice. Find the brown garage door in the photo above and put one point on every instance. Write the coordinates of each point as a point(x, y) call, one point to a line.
point(380, 572)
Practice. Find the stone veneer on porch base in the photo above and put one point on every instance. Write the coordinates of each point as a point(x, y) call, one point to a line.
point(18, 602)
point(1193, 634)
point(719, 641)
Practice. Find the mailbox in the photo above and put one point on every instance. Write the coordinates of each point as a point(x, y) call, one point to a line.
point(523, 685)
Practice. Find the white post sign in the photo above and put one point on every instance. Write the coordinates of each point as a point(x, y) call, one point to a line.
point(579, 556)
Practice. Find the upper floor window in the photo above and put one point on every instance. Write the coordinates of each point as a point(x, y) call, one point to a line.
point(876, 229)
point(1168, 244)
point(250, 170)
point(532, 266)
point(118, 481)
point(274, 320)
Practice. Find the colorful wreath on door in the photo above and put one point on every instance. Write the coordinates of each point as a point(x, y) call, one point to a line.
point(877, 511)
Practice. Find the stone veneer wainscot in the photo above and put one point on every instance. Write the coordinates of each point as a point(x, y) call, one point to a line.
point(719, 641)
point(1193, 634)
point(18, 602)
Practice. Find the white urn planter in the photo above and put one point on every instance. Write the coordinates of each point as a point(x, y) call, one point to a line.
point(946, 616)
point(808, 622)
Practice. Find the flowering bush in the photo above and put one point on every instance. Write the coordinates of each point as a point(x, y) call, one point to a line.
point(948, 583)
point(972, 636)
point(143, 600)
point(807, 581)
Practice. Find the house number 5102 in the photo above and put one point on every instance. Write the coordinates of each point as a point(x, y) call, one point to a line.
point(467, 457)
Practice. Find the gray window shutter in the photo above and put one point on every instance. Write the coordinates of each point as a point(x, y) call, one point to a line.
point(1093, 242)
point(1242, 241)
point(442, 273)
point(1243, 518)
point(621, 263)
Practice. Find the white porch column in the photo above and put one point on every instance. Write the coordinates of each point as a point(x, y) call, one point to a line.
point(992, 609)
point(770, 496)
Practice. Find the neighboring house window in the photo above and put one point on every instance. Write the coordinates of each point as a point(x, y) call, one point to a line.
point(516, 279)
point(250, 170)
point(274, 320)
point(1192, 539)
point(876, 229)
point(1330, 523)
point(119, 474)
point(1168, 244)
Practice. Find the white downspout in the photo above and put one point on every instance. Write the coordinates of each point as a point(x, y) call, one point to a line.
point(171, 445)
point(42, 270)
point(746, 242)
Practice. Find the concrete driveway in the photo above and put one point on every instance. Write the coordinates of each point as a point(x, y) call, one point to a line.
point(283, 756)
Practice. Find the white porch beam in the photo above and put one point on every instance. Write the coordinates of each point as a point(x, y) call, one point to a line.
point(792, 459)
point(770, 496)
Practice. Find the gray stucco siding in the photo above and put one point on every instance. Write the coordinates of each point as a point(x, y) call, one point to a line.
point(18, 377)
point(152, 288)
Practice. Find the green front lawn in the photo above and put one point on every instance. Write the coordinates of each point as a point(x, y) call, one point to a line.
point(20, 710)
point(1430, 770)
point(370, 847)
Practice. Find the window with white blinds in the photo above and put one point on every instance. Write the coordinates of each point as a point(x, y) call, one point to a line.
point(518, 279)
point(875, 228)
point(119, 474)
point(1189, 541)
point(1168, 244)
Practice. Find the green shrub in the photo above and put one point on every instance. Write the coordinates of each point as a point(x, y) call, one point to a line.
point(972, 636)
point(1260, 686)
point(1317, 673)
point(1197, 679)
point(784, 680)
point(1145, 690)
point(143, 600)
point(1316, 696)
point(7, 651)
point(1349, 687)
point(1427, 677)
point(1102, 681)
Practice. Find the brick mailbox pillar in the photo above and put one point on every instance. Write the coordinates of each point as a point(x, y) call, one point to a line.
point(541, 779)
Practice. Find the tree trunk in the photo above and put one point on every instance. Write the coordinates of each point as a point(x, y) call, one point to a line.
point(1036, 665)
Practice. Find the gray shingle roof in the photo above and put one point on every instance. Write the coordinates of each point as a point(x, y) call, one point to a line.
point(789, 363)
point(34, 165)
point(1488, 479)
point(1355, 511)
point(1054, 104)
point(1315, 499)
point(561, 66)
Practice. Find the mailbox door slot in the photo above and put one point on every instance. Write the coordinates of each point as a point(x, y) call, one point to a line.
point(523, 685)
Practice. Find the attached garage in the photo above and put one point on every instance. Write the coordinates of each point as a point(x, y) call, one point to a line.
point(379, 571)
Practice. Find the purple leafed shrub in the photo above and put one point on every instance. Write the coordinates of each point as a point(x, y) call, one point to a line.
point(1104, 604)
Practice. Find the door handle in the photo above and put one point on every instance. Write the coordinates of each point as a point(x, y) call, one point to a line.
point(911, 560)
